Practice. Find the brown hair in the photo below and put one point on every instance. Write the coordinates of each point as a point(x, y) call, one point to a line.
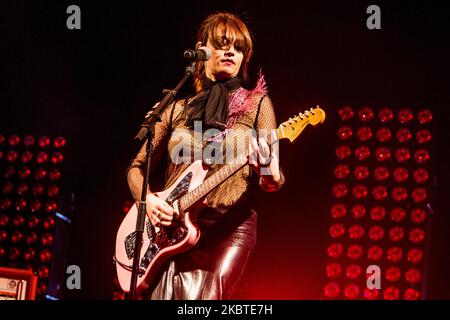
point(221, 29)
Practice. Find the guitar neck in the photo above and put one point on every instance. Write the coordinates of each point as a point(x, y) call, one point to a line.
point(212, 182)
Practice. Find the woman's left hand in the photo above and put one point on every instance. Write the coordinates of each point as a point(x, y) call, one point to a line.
point(264, 162)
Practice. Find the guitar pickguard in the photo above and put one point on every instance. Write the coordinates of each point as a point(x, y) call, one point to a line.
point(162, 237)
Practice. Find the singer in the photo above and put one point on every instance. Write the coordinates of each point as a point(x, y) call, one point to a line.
point(212, 268)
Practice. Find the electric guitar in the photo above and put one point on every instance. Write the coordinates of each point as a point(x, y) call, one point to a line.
point(161, 243)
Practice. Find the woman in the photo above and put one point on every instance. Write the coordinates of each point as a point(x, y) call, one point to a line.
point(227, 222)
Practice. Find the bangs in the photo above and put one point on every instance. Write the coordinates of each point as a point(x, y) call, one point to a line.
point(229, 32)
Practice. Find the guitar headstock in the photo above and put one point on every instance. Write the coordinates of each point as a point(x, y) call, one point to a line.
point(292, 128)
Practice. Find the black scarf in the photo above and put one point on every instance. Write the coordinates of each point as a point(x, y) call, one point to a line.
point(211, 105)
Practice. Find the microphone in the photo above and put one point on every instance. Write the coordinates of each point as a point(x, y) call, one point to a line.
point(202, 53)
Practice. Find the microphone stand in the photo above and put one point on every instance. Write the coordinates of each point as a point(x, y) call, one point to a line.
point(146, 131)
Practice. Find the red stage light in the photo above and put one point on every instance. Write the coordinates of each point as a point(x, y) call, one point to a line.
point(53, 191)
point(44, 141)
point(45, 255)
point(2, 140)
point(55, 174)
point(337, 230)
point(27, 156)
point(377, 213)
point(22, 189)
point(418, 215)
point(351, 291)
point(343, 152)
point(362, 153)
point(356, 232)
point(398, 214)
point(399, 194)
point(1, 154)
point(391, 293)
point(381, 173)
point(419, 195)
point(415, 255)
point(353, 271)
point(43, 272)
point(345, 133)
point(21, 204)
point(335, 250)
point(385, 115)
point(4, 220)
point(331, 290)
point(40, 173)
point(16, 236)
point(396, 234)
point(48, 223)
point(35, 205)
point(5, 204)
point(413, 275)
point(393, 274)
point(402, 154)
point(376, 233)
point(38, 189)
point(371, 294)
point(375, 253)
point(416, 235)
point(358, 211)
point(420, 175)
point(365, 114)
point(364, 133)
point(18, 220)
point(31, 238)
point(334, 269)
point(411, 294)
point(424, 116)
point(42, 157)
point(421, 156)
point(384, 134)
point(423, 136)
point(12, 156)
point(42, 289)
point(361, 172)
point(33, 222)
point(403, 135)
point(128, 204)
point(14, 253)
point(47, 239)
point(29, 254)
point(341, 171)
point(9, 172)
point(355, 251)
point(400, 174)
point(51, 206)
point(59, 142)
point(405, 116)
point(337, 211)
point(24, 173)
point(340, 190)
point(8, 187)
point(28, 140)
point(14, 140)
point(2, 252)
point(382, 154)
point(394, 254)
point(3, 235)
point(346, 113)
point(359, 191)
point(57, 157)
point(379, 193)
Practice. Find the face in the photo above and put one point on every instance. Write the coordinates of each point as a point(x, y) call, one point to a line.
point(224, 63)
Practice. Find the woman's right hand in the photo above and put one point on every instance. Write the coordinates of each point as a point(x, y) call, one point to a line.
point(159, 211)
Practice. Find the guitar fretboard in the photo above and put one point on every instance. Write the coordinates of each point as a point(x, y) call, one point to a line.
point(212, 182)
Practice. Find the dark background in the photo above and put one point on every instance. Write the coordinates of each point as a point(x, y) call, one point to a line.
point(94, 86)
